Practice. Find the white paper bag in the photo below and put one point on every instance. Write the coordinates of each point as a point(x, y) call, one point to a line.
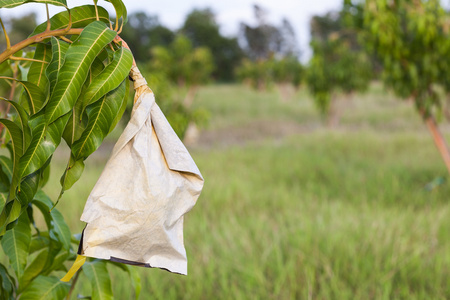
point(135, 212)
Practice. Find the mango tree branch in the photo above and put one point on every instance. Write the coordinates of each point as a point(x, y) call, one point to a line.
point(36, 39)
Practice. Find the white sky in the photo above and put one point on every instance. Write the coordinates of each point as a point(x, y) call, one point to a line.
point(229, 13)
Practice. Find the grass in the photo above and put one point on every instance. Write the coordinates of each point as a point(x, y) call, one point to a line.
point(308, 213)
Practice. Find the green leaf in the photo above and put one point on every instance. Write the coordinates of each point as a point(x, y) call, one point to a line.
point(44, 288)
point(23, 118)
point(72, 173)
point(44, 141)
point(10, 213)
point(16, 243)
point(78, 120)
point(36, 74)
point(59, 49)
point(28, 188)
point(6, 167)
point(73, 73)
point(122, 108)
point(81, 17)
point(17, 144)
point(34, 96)
point(134, 277)
point(101, 115)
point(14, 3)
point(110, 77)
point(7, 284)
point(11, 3)
point(33, 269)
point(121, 11)
point(98, 275)
point(56, 224)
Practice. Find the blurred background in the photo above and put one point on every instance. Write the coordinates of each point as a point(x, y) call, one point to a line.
point(315, 125)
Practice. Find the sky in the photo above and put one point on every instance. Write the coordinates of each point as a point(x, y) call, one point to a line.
point(229, 13)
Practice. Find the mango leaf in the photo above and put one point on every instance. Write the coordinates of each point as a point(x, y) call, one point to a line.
point(73, 73)
point(7, 284)
point(58, 262)
point(33, 269)
point(17, 144)
point(122, 108)
point(23, 118)
point(101, 114)
point(46, 287)
point(36, 74)
point(110, 77)
point(81, 17)
point(52, 2)
point(72, 173)
point(7, 166)
point(44, 141)
point(98, 275)
point(121, 11)
point(16, 243)
point(40, 241)
point(59, 49)
point(58, 228)
point(34, 96)
point(10, 213)
point(28, 188)
point(134, 277)
point(14, 3)
point(11, 3)
point(78, 120)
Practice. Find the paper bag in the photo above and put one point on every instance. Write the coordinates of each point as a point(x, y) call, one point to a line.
point(135, 212)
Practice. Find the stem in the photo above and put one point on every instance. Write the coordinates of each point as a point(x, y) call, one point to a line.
point(36, 39)
point(96, 10)
point(48, 18)
point(27, 59)
point(8, 42)
point(439, 140)
point(66, 39)
point(72, 287)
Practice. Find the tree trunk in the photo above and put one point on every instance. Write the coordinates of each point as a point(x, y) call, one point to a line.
point(439, 141)
point(190, 95)
point(333, 117)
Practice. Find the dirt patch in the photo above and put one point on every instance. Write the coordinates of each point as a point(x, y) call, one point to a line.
point(252, 132)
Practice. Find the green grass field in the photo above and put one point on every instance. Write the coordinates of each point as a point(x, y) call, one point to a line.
point(292, 209)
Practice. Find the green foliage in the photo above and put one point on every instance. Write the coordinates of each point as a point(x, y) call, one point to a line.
point(183, 64)
point(201, 28)
point(261, 74)
point(412, 41)
point(74, 88)
point(336, 67)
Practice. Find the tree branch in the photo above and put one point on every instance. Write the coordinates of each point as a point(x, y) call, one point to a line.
point(36, 39)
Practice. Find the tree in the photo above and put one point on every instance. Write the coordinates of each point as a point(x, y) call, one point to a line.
point(68, 82)
point(411, 39)
point(143, 32)
point(338, 64)
point(202, 29)
point(264, 40)
point(262, 74)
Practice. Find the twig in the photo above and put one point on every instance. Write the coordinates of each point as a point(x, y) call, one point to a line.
point(8, 42)
point(48, 18)
point(66, 39)
point(72, 287)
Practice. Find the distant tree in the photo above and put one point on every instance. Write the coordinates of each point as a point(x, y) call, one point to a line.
point(264, 39)
point(184, 65)
point(202, 29)
point(144, 32)
point(412, 40)
point(285, 73)
point(338, 65)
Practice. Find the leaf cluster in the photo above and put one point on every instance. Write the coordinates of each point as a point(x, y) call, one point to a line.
point(67, 81)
